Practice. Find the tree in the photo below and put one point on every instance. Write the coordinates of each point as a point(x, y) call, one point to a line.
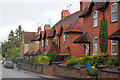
point(18, 34)
point(103, 36)
point(11, 47)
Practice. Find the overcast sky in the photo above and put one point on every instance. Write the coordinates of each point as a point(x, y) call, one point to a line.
point(28, 13)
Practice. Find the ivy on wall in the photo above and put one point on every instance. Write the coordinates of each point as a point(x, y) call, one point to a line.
point(103, 36)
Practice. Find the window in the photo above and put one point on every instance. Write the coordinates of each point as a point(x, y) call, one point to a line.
point(86, 48)
point(56, 40)
point(95, 18)
point(113, 47)
point(114, 12)
point(47, 42)
point(63, 38)
point(95, 39)
point(42, 42)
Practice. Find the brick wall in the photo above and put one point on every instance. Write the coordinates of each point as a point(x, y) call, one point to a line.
point(47, 70)
point(65, 71)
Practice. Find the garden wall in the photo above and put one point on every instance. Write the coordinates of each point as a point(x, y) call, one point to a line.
point(108, 73)
point(75, 72)
point(57, 69)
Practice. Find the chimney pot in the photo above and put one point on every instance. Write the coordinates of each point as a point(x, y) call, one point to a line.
point(39, 30)
point(64, 13)
point(47, 26)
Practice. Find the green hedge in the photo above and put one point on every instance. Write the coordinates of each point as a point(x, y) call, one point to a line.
point(94, 60)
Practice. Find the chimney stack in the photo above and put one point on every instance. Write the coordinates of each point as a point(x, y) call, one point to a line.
point(84, 4)
point(64, 13)
point(47, 26)
point(81, 5)
point(39, 30)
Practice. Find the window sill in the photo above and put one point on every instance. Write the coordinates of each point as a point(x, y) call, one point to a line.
point(113, 21)
point(113, 54)
point(95, 26)
point(94, 54)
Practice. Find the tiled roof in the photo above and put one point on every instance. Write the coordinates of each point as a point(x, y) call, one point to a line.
point(71, 19)
point(37, 52)
point(48, 31)
point(51, 34)
point(115, 35)
point(65, 52)
point(99, 5)
point(84, 38)
point(28, 36)
point(84, 12)
point(77, 27)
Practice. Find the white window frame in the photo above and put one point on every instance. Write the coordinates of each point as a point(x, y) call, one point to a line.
point(113, 12)
point(113, 54)
point(42, 42)
point(63, 38)
point(56, 40)
point(47, 42)
point(95, 17)
point(95, 45)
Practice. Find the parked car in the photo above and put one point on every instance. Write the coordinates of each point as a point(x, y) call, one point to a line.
point(8, 64)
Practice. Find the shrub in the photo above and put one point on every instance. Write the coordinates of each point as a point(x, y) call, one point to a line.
point(18, 59)
point(118, 68)
point(94, 60)
point(41, 59)
point(72, 62)
point(54, 57)
point(92, 71)
point(112, 61)
point(67, 58)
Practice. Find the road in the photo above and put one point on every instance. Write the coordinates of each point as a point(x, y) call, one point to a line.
point(12, 73)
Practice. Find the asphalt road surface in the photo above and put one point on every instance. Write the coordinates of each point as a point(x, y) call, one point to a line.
point(12, 73)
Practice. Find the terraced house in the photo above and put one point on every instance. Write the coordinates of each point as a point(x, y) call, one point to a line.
point(78, 34)
point(93, 14)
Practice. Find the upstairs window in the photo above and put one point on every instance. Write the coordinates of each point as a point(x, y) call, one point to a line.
point(95, 18)
point(47, 42)
point(63, 38)
point(42, 42)
point(95, 39)
point(56, 40)
point(114, 12)
point(113, 47)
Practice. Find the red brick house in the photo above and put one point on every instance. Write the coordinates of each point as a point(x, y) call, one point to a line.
point(65, 31)
point(82, 27)
point(92, 15)
point(26, 43)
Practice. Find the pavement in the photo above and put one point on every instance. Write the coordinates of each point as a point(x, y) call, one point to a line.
point(39, 75)
point(46, 77)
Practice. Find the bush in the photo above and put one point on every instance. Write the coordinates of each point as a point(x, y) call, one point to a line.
point(118, 68)
point(41, 59)
point(18, 59)
point(72, 62)
point(54, 57)
point(94, 60)
point(92, 71)
point(112, 61)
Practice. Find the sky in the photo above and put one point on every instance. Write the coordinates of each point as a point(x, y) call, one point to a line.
point(31, 14)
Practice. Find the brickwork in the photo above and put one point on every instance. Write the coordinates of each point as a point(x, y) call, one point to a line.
point(47, 70)
point(94, 31)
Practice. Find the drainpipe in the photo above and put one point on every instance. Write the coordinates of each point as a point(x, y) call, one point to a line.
point(44, 45)
point(89, 49)
point(59, 42)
